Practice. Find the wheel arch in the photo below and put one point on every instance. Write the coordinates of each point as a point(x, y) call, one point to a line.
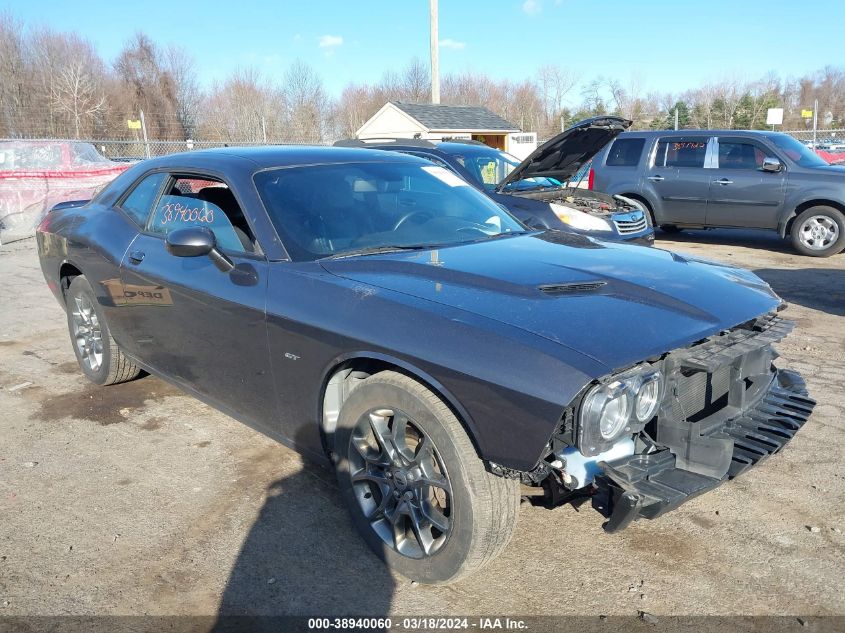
point(343, 374)
point(68, 271)
point(785, 227)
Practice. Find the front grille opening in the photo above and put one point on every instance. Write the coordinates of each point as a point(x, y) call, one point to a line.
point(710, 409)
point(701, 394)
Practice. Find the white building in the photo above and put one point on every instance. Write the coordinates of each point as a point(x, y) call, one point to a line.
point(397, 119)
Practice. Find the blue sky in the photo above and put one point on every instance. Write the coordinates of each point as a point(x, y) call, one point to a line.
point(671, 45)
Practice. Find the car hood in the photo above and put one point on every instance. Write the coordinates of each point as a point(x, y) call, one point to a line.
point(562, 156)
point(618, 304)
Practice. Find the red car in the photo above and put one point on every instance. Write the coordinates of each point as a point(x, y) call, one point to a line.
point(35, 175)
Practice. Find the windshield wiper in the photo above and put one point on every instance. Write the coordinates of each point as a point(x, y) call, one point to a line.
point(374, 250)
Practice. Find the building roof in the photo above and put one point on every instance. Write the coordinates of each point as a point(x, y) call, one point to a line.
point(451, 117)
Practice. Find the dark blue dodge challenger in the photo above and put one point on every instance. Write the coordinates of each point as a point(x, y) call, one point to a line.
point(373, 309)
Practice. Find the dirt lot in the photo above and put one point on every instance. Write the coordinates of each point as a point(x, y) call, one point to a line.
point(137, 499)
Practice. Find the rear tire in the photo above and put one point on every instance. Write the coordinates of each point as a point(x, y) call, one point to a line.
point(99, 357)
point(819, 231)
point(476, 510)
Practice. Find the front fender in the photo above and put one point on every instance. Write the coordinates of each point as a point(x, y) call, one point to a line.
point(510, 387)
point(808, 197)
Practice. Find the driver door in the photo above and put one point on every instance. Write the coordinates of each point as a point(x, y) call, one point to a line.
point(201, 327)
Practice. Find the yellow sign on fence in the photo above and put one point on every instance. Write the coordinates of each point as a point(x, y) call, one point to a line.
point(133, 125)
point(806, 114)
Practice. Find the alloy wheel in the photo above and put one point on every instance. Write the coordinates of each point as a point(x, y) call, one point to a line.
point(87, 334)
point(400, 482)
point(818, 232)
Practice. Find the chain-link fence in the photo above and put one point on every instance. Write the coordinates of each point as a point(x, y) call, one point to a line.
point(138, 150)
point(133, 150)
point(825, 139)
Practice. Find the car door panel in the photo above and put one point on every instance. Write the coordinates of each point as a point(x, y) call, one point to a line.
point(741, 194)
point(202, 327)
point(677, 181)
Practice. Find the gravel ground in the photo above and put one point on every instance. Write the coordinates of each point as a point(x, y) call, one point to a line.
point(138, 499)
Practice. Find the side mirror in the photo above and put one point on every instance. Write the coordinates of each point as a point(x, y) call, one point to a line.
point(195, 241)
point(190, 242)
point(771, 165)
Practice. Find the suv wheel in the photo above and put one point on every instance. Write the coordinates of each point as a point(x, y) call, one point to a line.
point(819, 232)
point(417, 491)
point(99, 357)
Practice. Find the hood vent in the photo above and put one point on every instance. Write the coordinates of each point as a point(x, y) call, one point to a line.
point(571, 287)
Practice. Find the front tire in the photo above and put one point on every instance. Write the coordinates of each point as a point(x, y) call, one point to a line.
point(414, 485)
point(99, 357)
point(819, 231)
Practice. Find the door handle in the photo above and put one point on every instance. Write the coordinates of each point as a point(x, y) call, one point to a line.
point(724, 181)
point(136, 257)
point(656, 178)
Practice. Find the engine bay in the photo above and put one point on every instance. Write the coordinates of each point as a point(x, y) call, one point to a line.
point(584, 200)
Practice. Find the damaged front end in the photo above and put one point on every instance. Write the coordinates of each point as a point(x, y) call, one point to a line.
point(645, 440)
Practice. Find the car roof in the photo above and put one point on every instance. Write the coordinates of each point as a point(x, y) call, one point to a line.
point(652, 133)
point(267, 156)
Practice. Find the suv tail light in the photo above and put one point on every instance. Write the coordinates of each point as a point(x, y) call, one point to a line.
point(591, 176)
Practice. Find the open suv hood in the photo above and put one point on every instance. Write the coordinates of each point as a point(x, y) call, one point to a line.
point(562, 156)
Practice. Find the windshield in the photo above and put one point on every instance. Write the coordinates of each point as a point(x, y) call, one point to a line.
point(797, 151)
point(330, 210)
point(490, 167)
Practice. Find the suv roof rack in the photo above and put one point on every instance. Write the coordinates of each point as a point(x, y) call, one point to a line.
point(464, 141)
point(387, 140)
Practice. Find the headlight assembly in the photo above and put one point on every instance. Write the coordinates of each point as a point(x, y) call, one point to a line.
point(618, 408)
point(648, 397)
point(580, 220)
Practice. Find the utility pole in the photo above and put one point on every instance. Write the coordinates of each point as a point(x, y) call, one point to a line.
point(815, 121)
point(144, 130)
point(264, 130)
point(676, 117)
point(435, 52)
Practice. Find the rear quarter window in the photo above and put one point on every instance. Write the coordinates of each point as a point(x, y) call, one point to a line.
point(139, 203)
point(625, 152)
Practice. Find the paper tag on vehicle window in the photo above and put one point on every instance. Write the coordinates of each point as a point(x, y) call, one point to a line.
point(446, 176)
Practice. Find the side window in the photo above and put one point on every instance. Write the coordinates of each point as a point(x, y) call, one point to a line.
point(680, 152)
point(193, 201)
point(625, 152)
point(139, 203)
point(739, 155)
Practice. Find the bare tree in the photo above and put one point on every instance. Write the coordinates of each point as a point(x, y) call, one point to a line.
point(188, 96)
point(627, 98)
point(554, 83)
point(13, 84)
point(76, 92)
point(144, 83)
point(243, 109)
point(307, 104)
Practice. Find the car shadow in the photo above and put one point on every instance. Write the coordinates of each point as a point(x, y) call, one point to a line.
point(303, 557)
point(821, 289)
point(749, 238)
